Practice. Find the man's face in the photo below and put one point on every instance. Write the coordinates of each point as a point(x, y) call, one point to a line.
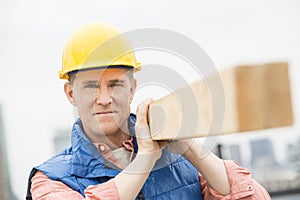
point(103, 100)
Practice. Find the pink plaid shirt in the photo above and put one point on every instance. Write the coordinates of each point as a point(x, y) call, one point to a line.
point(242, 185)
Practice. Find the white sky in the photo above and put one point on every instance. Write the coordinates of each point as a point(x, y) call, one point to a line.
point(33, 34)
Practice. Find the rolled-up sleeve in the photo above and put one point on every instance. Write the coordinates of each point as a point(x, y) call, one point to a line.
point(43, 188)
point(107, 190)
point(242, 185)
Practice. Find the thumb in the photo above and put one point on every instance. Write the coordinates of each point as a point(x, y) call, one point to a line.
point(142, 112)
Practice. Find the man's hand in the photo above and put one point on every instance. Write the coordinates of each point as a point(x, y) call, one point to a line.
point(187, 147)
point(145, 143)
point(179, 146)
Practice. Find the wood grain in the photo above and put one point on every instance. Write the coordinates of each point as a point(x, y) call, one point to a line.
point(256, 97)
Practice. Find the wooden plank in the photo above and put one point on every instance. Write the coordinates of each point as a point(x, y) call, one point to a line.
point(279, 104)
point(256, 97)
point(250, 96)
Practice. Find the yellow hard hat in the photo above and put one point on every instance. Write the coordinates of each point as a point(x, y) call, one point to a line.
point(97, 45)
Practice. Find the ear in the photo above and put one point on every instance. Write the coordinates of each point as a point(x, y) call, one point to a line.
point(68, 88)
point(132, 90)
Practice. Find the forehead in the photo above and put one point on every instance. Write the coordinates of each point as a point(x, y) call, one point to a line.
point(99, 74)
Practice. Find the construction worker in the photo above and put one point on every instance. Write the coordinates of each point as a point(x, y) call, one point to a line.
point(112, 155)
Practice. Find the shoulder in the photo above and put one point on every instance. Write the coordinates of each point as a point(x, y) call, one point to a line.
point(58, 166)
point(43, 188)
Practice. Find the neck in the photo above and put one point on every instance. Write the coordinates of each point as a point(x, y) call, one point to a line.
point(113, 140)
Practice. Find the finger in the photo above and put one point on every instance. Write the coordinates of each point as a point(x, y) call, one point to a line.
point(142, 132)
point(142, 111)
point(163, 143)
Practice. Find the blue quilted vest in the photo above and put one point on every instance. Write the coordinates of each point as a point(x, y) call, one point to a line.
point(81, 165)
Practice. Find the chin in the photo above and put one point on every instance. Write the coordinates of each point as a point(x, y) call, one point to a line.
point(108, 128)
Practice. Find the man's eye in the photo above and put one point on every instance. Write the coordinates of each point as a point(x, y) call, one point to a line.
point(115, 85)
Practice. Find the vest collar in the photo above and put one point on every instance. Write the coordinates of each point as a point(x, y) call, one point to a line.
point(86, 160)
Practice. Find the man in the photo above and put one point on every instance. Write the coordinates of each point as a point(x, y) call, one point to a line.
point(112, 155)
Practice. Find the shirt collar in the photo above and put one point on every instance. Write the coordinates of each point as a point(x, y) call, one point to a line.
point(86, 158)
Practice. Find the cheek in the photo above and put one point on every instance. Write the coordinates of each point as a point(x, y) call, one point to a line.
point(84, 103)
point(122, 100)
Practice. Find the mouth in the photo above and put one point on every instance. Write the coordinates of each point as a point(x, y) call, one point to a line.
point(105, 113)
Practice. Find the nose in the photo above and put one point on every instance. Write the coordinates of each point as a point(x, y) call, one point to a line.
point(104, 97)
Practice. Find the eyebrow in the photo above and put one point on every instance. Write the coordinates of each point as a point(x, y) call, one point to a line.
point(116, 81)
point(89, 82)
point(111, 81)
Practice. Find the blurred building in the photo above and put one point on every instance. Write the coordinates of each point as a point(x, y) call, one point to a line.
point(62, 140)
point(262, 151)
point(293, 155)
point(263, 160)
point(277, 177)
point(5, 189)
point(235, 153)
